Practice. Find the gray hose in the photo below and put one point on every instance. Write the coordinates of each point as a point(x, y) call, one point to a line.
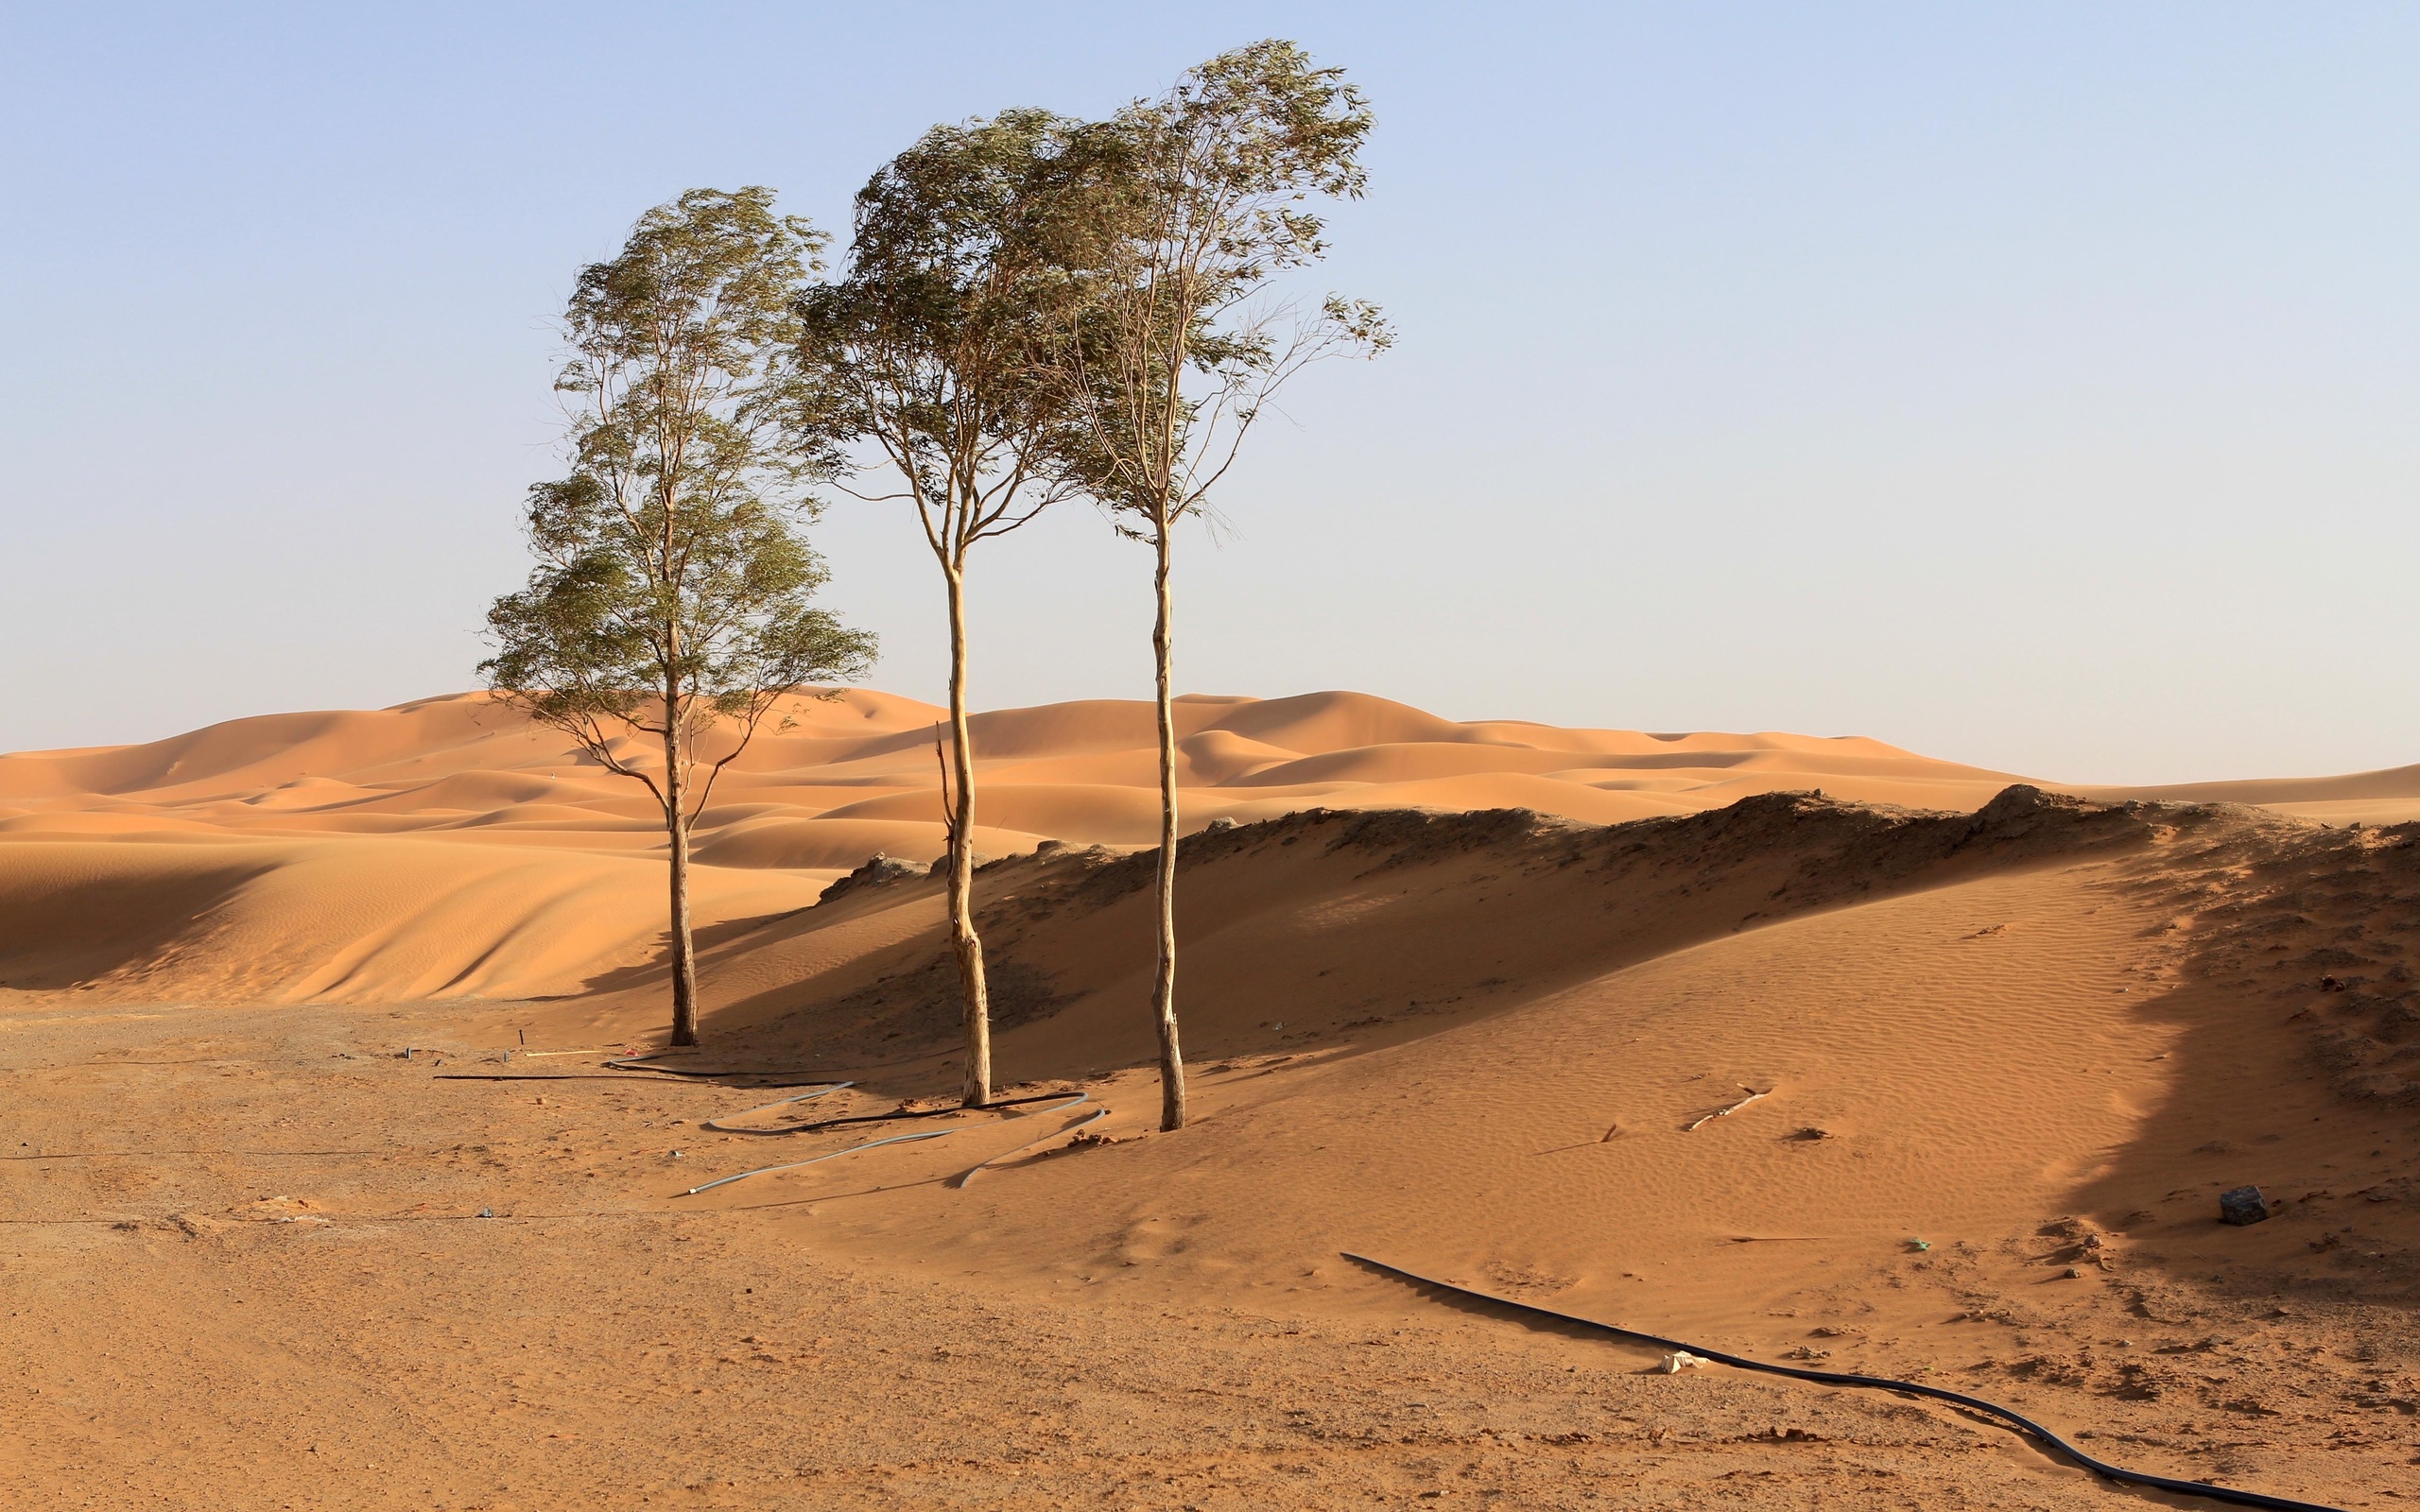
point(1833, 1377)
point(720, 1127)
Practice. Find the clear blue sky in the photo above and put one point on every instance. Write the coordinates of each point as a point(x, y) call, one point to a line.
point(2034, 385)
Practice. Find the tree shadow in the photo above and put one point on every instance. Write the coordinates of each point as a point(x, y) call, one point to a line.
point(1069, 934)
point(2293, 1066)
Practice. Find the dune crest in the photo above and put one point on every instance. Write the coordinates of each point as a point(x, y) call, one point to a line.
point(259, 859)
point(449, 848)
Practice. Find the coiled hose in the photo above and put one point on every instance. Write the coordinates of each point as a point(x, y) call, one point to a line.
point(1833, 1377)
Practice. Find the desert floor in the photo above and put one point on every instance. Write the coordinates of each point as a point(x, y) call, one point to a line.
point(317, 1191)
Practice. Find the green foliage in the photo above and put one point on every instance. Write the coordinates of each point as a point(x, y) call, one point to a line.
point(1191, 205)
point(930, 348)
point(672, 588)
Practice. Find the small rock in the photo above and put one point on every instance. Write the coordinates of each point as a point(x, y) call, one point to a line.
point(1219, 826)
point(877, 870)
point(2244, 1205)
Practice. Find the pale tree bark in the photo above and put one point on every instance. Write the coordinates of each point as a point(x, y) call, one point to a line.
point(974, 990)
point(676, 825)
point(1199, 208)
point(669, 566)
point(1164, 984)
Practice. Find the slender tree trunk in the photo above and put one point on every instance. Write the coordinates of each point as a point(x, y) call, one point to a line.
point(972, 990)
point(1163, 989)
point(676, 825)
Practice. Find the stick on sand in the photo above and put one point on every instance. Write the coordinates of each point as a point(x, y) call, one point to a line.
point(1726, 1113)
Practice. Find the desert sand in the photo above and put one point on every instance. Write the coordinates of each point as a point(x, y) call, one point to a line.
point(318, 1192)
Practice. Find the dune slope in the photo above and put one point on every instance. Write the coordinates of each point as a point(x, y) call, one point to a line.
point(1987, 1074)
point(258, 860)
point(527, 870)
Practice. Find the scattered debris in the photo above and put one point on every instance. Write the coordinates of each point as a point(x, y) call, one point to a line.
point(1753, 1097)
point(1919, 1245)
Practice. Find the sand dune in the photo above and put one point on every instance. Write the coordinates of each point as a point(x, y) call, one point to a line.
point(2006, 1059)
point(2388, 797)
point(514, 838)
point(345, 919)
point(1462, 995)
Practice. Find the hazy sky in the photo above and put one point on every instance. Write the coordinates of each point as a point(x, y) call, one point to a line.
point(2032, 385)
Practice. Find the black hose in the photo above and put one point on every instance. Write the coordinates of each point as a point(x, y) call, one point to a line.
point(1062, 1099)
point(1833, 1377)
point(899, 1113)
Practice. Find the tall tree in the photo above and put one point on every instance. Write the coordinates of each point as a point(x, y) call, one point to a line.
point(1196, 204)
point(929, 348)
point(672, 595)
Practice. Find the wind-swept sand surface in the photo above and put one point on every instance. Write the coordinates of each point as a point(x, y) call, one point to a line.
point(2009, 1045)
point(447, 848)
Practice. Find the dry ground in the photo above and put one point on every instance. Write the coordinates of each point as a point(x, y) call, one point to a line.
point(244, 1263)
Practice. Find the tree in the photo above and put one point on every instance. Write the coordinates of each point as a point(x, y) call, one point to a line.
point(929, 350)
point(1194, 204)
point(672, 593)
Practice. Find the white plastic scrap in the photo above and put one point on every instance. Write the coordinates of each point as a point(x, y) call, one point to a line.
point(1680, 1359)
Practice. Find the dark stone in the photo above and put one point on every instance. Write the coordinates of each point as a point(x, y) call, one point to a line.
point(879, 869)
point(2243, 1205)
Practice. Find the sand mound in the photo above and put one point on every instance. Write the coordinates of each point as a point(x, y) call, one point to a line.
point(515, 839)
point(344, 921)
point(1940, 1090)
point(240, 861)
